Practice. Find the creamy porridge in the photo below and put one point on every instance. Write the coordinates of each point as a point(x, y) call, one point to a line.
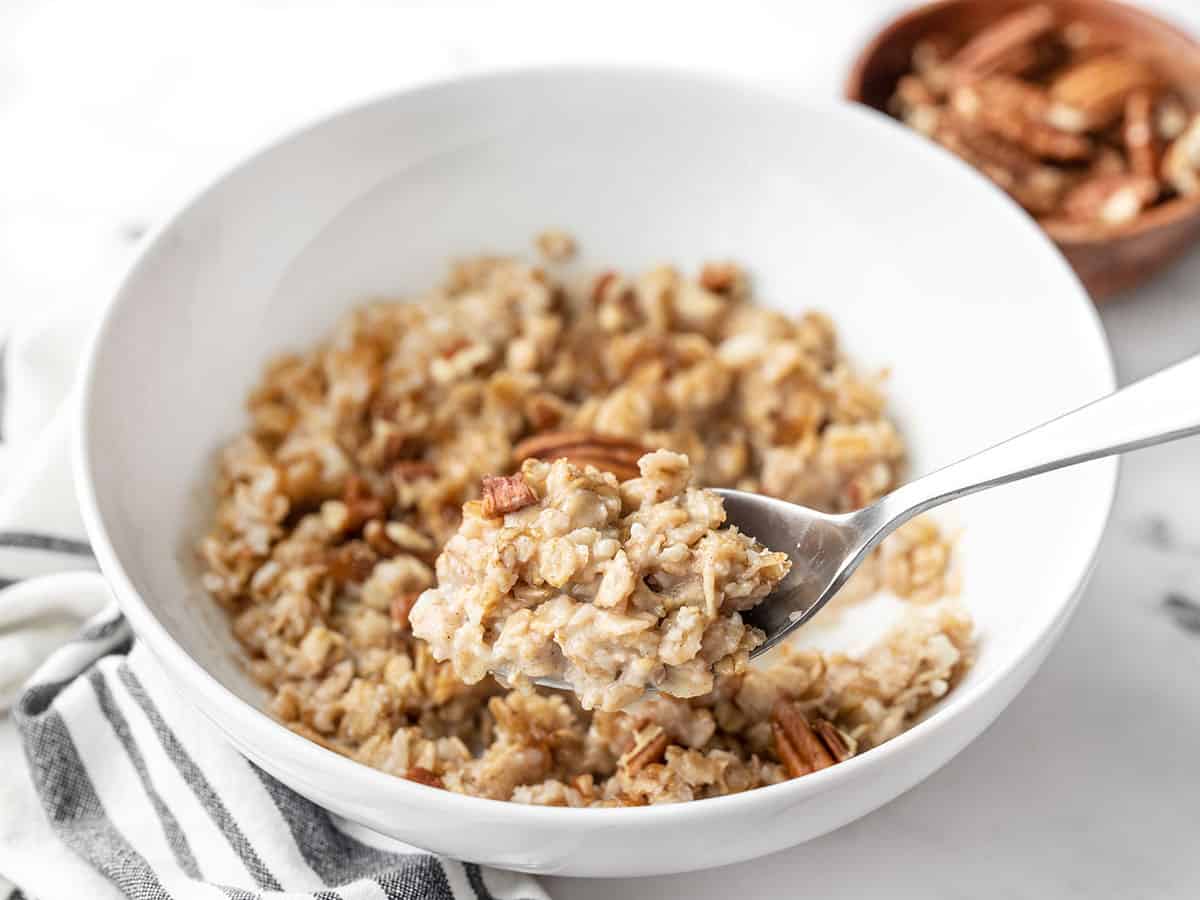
point(562, 572)
point(336, 502)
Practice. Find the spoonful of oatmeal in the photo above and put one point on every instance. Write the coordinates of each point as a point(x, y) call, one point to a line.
point(563, 575)
point(566, 576)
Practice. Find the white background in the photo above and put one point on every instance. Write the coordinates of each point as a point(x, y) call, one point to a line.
point(1089, 786)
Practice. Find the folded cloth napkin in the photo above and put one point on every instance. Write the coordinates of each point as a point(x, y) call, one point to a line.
point(111, 785)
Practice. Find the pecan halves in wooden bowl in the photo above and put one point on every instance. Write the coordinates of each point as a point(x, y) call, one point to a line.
point(1087, 112)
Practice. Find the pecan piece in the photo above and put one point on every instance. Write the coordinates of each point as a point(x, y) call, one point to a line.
point(915, 105)
point(1017, 111)
point(840, 744)
point(1109, 199)
point(1108, 161)
point(1142, 146)
point(601, 285)
point(402, 605)
point(353, 562)
point(503, 494)
point(1001, 160)
point(796, 744)
point(649, 746)
point(1090, 95)
point(1170, 117)
point(931, 61)
point(361, 504)
point(453, 347)
point(1181, 164)
point(805, 748)
point(722, 277)
point(423, 776)
point(795, 764)
point(1004, 46)
point(375, 534)
point(612, 287)
point(605, 452)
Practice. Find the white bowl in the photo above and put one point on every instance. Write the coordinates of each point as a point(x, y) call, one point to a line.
point(922, 264)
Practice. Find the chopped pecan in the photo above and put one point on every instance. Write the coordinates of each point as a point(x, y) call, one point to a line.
point(1181, 164)
point(649, 746)
point(601, 286)
point(799, 747)
point(1170, 117)
point(1001, 160)
point(1108, 161)
point(375, 534)
point(840, 744)
point(402, 605)
point(1016, 111)
point(352, 561)
point(1091, 94)
point(453, 347)
point(795, 764)
point(361, 504)
point(915, 104)
point(424, 776)
point(1040, 192)
point(1004, 46)
point(605, 452)
point(503, 494)
point(1142, 145)
point(931, 61)
point(1109, 199)
point(721, 277)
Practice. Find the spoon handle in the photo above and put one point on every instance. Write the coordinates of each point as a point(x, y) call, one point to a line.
point(1159, 408)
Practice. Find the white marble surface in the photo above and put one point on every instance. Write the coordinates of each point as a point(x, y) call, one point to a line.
point(1087, 786)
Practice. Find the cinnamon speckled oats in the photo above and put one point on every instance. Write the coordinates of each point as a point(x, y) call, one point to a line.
point(613, 588)
point(334, 505)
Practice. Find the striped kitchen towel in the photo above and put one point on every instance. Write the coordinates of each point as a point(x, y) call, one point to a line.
point(110, 784)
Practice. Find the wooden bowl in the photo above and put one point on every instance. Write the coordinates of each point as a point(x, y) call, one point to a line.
point(1108, 259)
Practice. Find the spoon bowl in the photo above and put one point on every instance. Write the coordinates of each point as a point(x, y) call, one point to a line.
point(825, 549)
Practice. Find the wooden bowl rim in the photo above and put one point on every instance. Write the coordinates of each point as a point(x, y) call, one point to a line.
point(1162, 216)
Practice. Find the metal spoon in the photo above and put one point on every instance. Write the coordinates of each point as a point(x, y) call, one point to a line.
point(826, 549)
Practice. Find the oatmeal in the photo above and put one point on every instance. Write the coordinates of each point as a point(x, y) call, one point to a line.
point(333, 506)
point(561, 572)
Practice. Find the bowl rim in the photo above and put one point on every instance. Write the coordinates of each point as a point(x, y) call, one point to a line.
point(253, 719)
point(1067, 234)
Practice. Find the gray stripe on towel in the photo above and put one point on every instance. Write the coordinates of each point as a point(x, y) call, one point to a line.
point(72, 806)
point(200, 785)
point(174, 834)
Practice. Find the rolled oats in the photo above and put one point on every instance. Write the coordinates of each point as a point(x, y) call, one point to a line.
point(614, 588)
point(361, 454)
